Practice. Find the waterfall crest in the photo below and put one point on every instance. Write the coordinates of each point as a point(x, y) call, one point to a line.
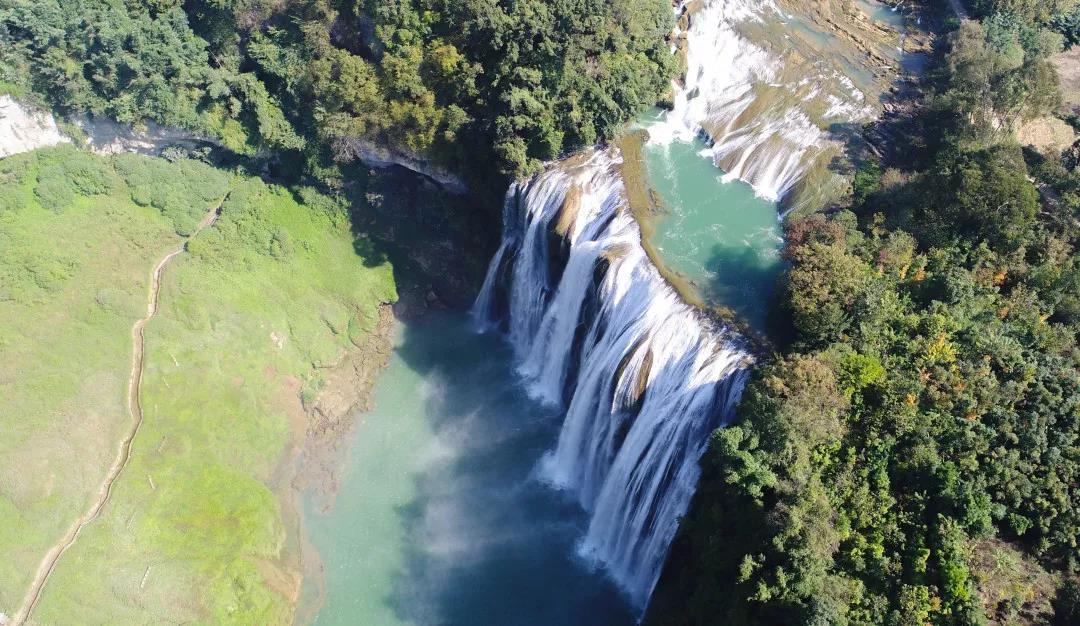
point(644, 377)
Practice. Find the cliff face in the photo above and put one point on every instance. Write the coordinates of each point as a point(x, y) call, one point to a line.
point(24, 127)
point(374, 155)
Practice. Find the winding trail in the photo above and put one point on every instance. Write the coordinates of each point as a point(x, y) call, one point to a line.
point(123, 454)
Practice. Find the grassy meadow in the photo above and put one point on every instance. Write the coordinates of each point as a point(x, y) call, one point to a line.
point(250, 320)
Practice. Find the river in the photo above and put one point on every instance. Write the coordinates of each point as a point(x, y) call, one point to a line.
point(440, 519)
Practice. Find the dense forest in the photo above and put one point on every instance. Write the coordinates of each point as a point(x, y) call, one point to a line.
point(502, 85)
point(911, 455)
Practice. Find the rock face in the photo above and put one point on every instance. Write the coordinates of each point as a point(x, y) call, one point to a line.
point(24, 128)
point(104, 136)
point(378, 156)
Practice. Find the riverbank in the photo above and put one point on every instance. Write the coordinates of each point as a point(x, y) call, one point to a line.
point(318, 404)
point(322, 429)
point(269, 331)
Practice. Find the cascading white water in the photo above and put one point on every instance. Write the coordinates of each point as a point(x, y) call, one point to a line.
point(765, 107)
point(644, 377)
point(723, 69)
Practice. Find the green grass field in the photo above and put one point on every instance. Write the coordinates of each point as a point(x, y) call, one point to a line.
point(259, 305)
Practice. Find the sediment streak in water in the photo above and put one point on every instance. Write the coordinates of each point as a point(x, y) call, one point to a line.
point(643, 376)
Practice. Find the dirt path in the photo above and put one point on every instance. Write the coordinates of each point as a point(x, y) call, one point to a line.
point(123, 454)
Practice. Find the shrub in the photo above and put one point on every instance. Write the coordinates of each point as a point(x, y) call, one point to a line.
point(182, 198)
point(90, 176)
point(66, 173)
point(53, 190)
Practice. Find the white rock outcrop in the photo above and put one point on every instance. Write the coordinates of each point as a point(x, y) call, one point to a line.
point(24, 128)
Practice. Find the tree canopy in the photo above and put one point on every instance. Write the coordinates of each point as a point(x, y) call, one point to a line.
point(507, 84)
point(925, 409)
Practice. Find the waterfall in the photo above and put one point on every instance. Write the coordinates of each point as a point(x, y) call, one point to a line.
point(643, 377)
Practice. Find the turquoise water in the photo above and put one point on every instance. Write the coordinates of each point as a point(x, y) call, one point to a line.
point(439, 519)
point(885, 12)
point(719, 235)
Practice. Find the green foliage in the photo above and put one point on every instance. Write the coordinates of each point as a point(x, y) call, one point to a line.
point(927, 405)
point(154, 182)
point(66, 173)
point(1038, 11)
point(1067, 604)
point(135, 62)
point(1068, 24)
point(867, 180)
point(451, 82)
point(996, 73)
point(826, 280)
point(860, 372)
point(53, 190)
point(459, 78)
point(982, 195)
